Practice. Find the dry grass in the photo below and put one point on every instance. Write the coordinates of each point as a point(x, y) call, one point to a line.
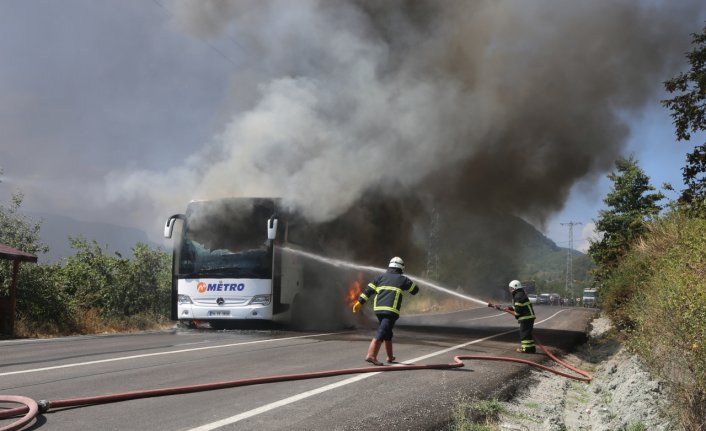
point(90, 322)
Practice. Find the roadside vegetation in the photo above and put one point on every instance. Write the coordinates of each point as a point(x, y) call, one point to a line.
point(476, 415)
point(651, 278)
point(658, 296)
point(650, 262)
point(89, 292)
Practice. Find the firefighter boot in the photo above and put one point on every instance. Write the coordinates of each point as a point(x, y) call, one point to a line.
point(388, 350)
point(373, 352)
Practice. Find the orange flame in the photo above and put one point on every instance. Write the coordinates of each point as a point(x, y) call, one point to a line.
point(354, 290)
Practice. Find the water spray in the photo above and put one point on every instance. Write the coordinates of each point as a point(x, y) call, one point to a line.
point(445, 290)
point(345, 264)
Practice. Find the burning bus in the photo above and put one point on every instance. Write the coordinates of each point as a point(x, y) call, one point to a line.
point(233, 261)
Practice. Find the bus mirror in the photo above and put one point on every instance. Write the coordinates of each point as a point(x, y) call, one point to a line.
point(169, 225)
point(272, 228)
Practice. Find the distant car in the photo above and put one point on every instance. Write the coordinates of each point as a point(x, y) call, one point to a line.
point(532, 297)
point(543, 299)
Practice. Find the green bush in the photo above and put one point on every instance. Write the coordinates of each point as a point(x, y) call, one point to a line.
point(626, 282)
point(94, 292)
point(660, 291)
point(90, 291)
point(42, 303)
point(116, 286)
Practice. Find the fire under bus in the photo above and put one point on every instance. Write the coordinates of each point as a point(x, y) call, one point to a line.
point(230, 265)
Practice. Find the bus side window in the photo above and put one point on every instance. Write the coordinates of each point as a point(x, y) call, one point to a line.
point(188, 255)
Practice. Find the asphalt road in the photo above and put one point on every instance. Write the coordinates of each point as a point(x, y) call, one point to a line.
point(70, 367)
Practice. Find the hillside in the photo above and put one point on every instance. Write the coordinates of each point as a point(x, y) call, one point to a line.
point(481, 253)
point(55, 231)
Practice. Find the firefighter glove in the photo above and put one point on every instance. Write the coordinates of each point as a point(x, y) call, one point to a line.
point(356, 307)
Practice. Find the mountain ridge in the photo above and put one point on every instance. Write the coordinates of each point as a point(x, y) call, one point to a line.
point(55, 231)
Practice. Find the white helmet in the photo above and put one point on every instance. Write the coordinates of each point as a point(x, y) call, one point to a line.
point(514, 285)
point(396, 262)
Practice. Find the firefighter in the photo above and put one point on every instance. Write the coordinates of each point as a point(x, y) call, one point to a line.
point(524, 313)
point(387, 288)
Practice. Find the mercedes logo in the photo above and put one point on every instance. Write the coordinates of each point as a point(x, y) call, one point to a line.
point(220, 301)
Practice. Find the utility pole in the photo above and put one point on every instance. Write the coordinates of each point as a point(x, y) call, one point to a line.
point(568, 287)
point(432, 252)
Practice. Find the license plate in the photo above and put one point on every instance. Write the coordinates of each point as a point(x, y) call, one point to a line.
point(219, 313)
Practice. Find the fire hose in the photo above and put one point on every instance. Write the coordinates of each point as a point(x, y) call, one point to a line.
point(30, 408)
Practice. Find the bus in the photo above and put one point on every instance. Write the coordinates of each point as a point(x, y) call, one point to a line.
point(230, 264)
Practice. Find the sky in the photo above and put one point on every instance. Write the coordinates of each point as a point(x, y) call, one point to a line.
point(653, 143)
point(123, 111)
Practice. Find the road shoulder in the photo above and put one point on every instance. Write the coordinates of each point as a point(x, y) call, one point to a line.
point(622, 394)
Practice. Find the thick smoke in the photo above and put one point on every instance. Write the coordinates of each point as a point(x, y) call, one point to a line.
point(481, 106)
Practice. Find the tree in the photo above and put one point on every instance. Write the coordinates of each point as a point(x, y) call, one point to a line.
point(115, 286)
point(631, 204)
point(689, 113)
point(40, 300)
point(92, 278)
point(18, 232)
point(148, 282)
point(90, 289)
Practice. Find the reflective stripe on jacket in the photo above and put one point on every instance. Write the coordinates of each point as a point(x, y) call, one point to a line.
point(522, 305)
point(387, 288)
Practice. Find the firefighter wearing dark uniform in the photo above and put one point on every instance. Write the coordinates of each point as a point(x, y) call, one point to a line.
point(387, 289)
point(524, 313)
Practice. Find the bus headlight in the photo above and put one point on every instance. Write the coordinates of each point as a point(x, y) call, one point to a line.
point(261, 299)
point(184, 299)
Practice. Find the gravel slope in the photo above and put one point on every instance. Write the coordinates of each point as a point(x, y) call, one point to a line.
point(622, 395)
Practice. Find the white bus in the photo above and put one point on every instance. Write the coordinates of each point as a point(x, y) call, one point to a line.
point(229, 264)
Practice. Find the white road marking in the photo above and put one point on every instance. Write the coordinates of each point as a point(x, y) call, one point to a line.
point(484, 317)
point(147, 355)
point(311, 393)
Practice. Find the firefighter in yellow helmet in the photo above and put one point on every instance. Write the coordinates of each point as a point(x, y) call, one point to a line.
point(524, 313)
point(387, 288)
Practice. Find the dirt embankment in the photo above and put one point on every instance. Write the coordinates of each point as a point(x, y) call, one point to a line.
point(622, 395)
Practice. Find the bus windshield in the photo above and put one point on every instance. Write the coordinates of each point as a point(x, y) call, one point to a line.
point(226, 238)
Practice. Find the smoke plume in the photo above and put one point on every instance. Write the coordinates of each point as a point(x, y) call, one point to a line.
point(484, 106)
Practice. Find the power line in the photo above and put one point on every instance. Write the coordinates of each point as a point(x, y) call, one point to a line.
point(432, 271)
point(587, 238)
point(569, 257)
point(210, 45)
